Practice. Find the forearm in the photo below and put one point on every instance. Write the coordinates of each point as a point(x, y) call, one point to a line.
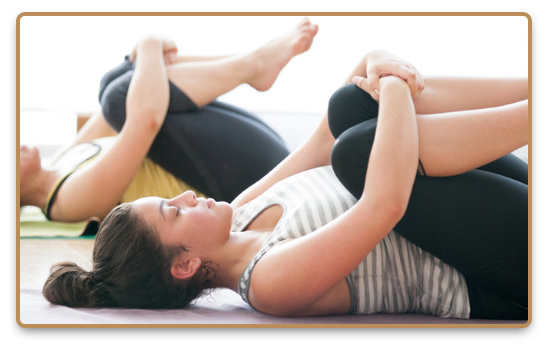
point(447, 94)
point(148, 94)
point(394, 155)
point(314, 152)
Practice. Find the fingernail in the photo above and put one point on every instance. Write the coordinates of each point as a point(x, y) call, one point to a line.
point(376, 91)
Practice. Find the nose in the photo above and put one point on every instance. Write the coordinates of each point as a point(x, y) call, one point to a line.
point(186, 198)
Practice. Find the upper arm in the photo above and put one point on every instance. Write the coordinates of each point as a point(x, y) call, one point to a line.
point(95, 189)
point(293, 276)
point(296, 274)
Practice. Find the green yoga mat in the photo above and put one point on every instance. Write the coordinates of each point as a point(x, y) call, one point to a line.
point(33, 224)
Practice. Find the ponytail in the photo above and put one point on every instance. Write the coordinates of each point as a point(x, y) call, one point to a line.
point(71, 285)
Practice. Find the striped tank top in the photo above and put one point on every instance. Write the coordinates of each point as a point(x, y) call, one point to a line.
point(396, 277)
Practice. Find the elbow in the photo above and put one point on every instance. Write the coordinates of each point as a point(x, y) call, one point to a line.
point(393, 209)
point(152, 122)
point(145, 123)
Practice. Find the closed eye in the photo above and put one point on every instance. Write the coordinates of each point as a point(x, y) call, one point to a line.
point(176, 211)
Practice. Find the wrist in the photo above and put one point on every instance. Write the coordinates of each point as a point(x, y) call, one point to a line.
point(392, 82)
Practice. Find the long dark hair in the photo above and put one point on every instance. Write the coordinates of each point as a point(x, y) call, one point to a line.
point(131, 269)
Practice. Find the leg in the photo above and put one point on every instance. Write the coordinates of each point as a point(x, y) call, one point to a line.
point(442, 95)
point(204, 81)
point(218, 150)
point(449, 143)
point(476, 222)
point(453, 143)
point(208, 148)
point(349, 106)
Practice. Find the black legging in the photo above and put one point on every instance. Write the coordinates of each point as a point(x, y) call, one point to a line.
point(477, 222)
point(219, 149)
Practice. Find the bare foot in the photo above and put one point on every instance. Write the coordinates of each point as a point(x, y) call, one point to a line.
point(271, 58)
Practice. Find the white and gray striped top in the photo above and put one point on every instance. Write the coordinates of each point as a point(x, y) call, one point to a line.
point(396, 277)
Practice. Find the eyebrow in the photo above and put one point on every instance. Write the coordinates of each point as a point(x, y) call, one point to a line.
point(161, 205)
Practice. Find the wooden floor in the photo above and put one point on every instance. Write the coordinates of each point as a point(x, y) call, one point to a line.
point(38, 255)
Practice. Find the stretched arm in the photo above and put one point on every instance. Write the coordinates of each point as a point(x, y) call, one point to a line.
point(328, 255)
point(104, 181)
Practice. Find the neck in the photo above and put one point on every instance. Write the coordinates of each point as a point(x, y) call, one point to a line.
point(240, 249)
point(38, 188)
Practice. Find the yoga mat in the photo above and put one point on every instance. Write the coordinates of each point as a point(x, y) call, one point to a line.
point(34, 224)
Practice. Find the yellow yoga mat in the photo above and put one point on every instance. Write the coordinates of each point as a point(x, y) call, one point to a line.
point(33, 223)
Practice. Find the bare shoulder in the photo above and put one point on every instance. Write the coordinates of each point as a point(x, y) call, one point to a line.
point(271, 291)
point(274, 290)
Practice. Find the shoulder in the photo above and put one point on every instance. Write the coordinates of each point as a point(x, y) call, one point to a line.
point(270, 292)
point(274, 289)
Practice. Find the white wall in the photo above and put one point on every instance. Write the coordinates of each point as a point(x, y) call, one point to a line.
point(63, 58)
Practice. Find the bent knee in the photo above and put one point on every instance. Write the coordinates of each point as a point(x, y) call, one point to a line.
point(113, 101)
point(349, 106)
point(351, 154)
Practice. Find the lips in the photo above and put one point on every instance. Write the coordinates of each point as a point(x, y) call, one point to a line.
point(210, 202)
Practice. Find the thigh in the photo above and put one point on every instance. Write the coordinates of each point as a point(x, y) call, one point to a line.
point(216, 150)
point(489, 304)
point(509, 166)
point(478, 223)
point(244, 114)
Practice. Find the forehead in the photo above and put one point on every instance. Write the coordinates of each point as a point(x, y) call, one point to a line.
point(148, 208)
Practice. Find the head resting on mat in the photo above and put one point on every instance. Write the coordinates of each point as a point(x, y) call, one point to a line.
point(139, 260)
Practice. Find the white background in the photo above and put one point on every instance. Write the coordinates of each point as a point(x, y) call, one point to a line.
point(63, 58)
point(445, 45)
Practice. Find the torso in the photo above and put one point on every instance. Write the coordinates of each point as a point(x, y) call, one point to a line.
point(394, 278)
point(337, 300)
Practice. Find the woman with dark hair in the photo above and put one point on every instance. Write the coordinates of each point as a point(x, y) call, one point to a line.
point(299, 242)
point(193, 142)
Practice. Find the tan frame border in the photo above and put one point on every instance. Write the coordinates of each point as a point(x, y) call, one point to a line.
point(316, 14)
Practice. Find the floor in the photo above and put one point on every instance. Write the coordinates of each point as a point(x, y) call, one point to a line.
point(38, 255)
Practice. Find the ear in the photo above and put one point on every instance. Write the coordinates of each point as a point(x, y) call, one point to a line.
point(184, 267)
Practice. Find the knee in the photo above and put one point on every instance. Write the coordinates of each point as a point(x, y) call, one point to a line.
point(113, 101)
point(348, 107)
point(350, 156)
point(113, 74)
